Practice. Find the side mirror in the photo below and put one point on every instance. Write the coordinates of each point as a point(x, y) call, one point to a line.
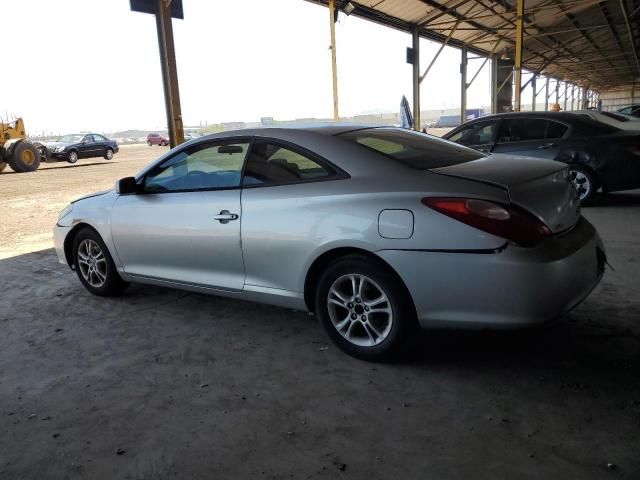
point(127, 186)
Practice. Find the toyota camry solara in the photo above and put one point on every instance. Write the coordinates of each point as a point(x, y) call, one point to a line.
point(377, 231)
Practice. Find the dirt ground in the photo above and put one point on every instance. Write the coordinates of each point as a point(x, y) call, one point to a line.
point(31, 201)
point(164, 384)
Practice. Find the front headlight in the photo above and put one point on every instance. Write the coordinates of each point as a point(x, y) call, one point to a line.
point(60, 149)
point(66, 211)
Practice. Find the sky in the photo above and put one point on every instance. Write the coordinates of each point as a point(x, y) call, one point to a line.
point(94, 65)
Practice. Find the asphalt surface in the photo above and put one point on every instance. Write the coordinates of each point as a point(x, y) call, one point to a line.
point(167, 384)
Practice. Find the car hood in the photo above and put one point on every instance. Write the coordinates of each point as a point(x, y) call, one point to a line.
point(91, 195)
point(540, 186)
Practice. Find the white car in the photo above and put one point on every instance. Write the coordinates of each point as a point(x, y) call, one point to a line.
point(615, 119)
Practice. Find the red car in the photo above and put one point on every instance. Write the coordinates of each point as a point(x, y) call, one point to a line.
point(157, 139)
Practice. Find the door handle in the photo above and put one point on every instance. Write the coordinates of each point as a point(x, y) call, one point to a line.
point(547, 145)
point(225, 216)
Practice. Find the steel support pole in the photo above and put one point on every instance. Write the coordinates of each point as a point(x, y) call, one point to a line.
point(558, 92)
point(546, 95)
point(519, 46)
point(334, 65)
point(463, 85)
point(161, 12)
point(494, 83)
point(173, 74)
point(416, 77)
point(573, 95)
point(535, 92)
point(566, 95)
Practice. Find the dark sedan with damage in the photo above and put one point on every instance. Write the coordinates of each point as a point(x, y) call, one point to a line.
point(598, 155)
point(82, 145)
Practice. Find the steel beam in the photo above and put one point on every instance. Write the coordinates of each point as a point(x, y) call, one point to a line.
point(463, 85)
point(519, 46)
point(416, 78)
point(334, 65)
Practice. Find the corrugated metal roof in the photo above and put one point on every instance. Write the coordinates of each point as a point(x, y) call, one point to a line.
point(588, 42)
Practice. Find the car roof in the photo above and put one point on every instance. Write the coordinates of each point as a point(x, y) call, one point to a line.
point(567, 116)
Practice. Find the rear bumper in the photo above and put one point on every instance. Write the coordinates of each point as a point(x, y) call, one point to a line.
point(515, 287)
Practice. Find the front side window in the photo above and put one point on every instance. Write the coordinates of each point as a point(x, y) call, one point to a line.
point(202, 167)
point(481, 133)
point(273, 164)
point(413, 149)
point(556, 130)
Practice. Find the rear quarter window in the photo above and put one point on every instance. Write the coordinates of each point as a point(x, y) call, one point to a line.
point(413, 149)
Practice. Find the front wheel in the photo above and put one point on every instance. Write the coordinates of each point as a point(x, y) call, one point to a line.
point(25, 157)
point(109, 154)
point(94, 265)
point(149, 143)
point(364, 309)
point(73, 156)
point(583, 181)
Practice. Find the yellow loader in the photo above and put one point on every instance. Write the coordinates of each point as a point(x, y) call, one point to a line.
point(20, 154)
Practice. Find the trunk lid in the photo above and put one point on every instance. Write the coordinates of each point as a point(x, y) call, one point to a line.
point(540, 186)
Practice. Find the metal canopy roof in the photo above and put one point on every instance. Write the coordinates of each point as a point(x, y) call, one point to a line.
point(589, 42)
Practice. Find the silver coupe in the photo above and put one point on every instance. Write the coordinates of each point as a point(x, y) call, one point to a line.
point(378, 231)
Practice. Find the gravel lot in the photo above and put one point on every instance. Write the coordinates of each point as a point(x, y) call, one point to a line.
point(167, 384)
point(31, 201)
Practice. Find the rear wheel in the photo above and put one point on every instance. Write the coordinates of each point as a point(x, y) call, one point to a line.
point(25, 157)
point(73, 156)
point(584, 182)
point(94, 265)
point(364, 309)
point(109, 154)
point(3, 165)
point(148, 143)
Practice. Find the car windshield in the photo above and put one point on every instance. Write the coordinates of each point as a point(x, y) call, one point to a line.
point(413, 149)
point(75, 138)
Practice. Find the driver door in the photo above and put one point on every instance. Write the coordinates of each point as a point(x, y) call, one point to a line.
point(86, 147)
point(184, 226)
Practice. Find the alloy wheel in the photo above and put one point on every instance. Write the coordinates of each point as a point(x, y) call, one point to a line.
point(109, 154)
point(581, 182)
point(92, 263)
point(360, 310)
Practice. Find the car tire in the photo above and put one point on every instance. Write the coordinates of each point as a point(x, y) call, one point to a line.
point(3, 165)
point(94, 265)
point(73, 156)
point(584, 181)
point(364, 308)
point(149, 143)
point(109, 154)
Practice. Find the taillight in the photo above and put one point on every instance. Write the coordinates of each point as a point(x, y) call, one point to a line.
point(506, 221)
